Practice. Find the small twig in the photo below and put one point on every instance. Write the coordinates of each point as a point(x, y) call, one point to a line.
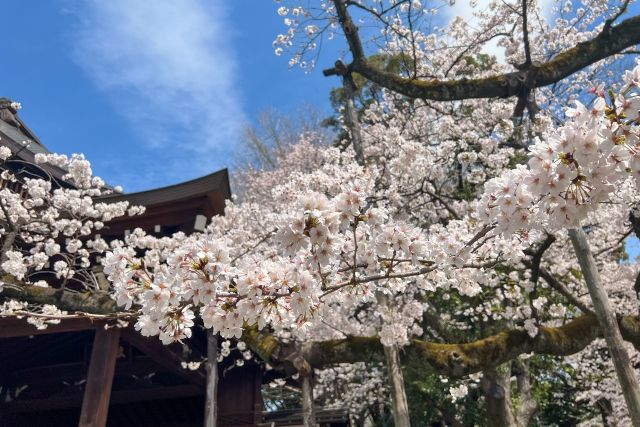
point(609, 22)
point(479, 235)
point(262, 240)
point(564, 291)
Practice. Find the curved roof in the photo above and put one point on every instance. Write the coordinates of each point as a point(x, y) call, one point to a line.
point(215, 182)
point(173, 208)
point(22, 142)
point(13, 126)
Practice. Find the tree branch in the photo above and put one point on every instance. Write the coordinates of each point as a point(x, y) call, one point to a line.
point(564, 291)
point(453, 360)
point(605, 44)
point(94, 302)
point(525, 36)
point(618, 14)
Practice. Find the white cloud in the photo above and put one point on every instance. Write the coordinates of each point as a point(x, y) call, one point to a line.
point(169, 68)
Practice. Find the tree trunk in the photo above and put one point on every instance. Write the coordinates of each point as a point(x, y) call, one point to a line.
point(305, 371)
point(608, 323)
point(351, 117)
point(9, 239)
point(211, 403)
point(308, 415)
point(496, 386)
point(396, 381)
point(528, 405)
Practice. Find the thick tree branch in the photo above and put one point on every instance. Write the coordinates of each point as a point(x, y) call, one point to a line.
point(454, 360)
point(95, 302)
point(607, 43)
point(463, 359)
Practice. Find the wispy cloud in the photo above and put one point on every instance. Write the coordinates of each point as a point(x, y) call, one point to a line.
point(169, 69)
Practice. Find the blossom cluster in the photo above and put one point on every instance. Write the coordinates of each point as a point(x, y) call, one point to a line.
point(50, 230)
point(572, 168)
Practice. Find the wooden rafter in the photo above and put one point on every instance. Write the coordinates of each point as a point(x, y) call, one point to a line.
point(162, 355)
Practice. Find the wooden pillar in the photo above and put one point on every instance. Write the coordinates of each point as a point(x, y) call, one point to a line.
point(396, 382)
point(211, 402)
point(608, 324)
point(258, 403)
point(308, 414)
point(95, 403)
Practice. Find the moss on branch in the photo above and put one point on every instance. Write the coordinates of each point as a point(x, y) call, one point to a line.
point(453, 360)
point(92, 302)
point(610, 42)
point(462, 359)
point(263, 343)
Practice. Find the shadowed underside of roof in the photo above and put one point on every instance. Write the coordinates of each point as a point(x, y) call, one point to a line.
point(217, 181)
point(172, 209)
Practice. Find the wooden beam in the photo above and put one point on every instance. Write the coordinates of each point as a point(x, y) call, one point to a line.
point(70, 372)
point(144, 394)
point(95, 403)
point(162, 355)
point(12, 327)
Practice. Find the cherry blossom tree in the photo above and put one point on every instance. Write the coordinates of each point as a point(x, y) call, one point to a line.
point(301, 277)
point(445, 230)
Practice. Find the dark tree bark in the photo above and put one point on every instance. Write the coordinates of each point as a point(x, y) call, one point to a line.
point(612, 40)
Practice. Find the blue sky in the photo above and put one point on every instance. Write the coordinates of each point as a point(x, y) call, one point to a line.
point(153, 92)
